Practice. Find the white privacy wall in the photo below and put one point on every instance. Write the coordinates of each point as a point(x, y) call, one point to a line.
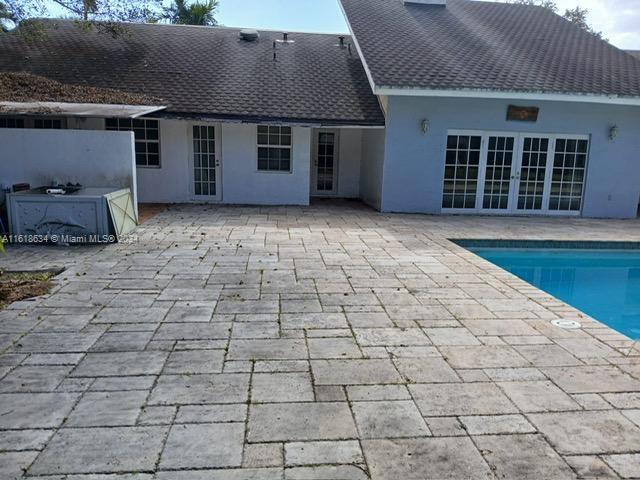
point(92, 158)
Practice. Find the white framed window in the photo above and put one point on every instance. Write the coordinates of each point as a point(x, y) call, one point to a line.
point(31, 122)
point(147, 138)
point(274, 148)
point(48, 123)
point(11, 122)
point(569, 170)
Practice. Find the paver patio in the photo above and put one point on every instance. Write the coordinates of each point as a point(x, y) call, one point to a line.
point(326, 342)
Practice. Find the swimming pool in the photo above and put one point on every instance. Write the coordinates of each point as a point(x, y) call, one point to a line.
point(604, 284)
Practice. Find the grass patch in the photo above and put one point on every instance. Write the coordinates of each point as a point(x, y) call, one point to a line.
point(16, 286)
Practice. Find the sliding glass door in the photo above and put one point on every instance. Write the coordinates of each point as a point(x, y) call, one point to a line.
point(514, 173)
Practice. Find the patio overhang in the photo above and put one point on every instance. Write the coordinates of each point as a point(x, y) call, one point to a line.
point(77, 109)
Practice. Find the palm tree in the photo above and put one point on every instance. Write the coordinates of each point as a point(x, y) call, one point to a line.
point(192, 14)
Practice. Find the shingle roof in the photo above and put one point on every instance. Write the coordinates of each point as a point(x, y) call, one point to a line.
point(207, 72)
point(635, 53)
point(474, 45)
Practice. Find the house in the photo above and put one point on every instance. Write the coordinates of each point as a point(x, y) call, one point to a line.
point(428, 106)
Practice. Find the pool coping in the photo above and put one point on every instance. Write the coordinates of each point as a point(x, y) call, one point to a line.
point(559, 244)
point(468, 244)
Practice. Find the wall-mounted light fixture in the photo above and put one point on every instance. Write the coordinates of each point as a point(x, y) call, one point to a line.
point(613, 132)
point(424, 126)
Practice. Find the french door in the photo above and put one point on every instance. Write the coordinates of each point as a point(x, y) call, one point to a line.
point(205, 155)
point(324, 174)
point(514, 173)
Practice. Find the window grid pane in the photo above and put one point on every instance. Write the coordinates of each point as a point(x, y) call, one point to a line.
point(461, 171)
point(204, 161)
point(498, 173)
point(532, 173)
point(569, 167)
point(274, 148)
point(47, 123)
point(325, 167)
point(147, 138)
point(6, 122)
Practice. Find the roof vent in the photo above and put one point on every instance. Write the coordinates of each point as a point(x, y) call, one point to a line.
point(285, 38)
point(249, 35)
point(425, 2)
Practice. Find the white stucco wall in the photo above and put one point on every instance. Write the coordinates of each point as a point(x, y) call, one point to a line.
point(350, 152)
point(371, 166)
point(92, 158)
point(414, 163)
point(244, 184)
point(171, 182)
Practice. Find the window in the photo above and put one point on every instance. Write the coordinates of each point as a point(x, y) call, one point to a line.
point(533, 173)
point(498, 173)
point(147, 135)
point(567, 181)
point(49, 123)
point(461, 171)
point(274, 148)
point(7, 122)
point(44, 122)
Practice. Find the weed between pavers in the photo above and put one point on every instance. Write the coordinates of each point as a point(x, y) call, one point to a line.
point(15, 286)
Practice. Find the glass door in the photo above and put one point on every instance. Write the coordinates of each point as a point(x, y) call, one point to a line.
point(531, 175)
point(551, 174)
point(206, 163)
point(498, 173)
point(325, 171)
point(514, 173)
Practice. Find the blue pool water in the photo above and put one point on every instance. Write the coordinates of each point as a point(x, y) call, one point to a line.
point(605, 284)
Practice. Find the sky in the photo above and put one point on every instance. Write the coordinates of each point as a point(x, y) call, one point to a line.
point(619, 20)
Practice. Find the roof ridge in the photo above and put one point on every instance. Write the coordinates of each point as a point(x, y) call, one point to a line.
point(209, 27)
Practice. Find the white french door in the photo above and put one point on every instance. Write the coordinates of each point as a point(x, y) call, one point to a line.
point(514, 173)
point(205, 163)
point(324, 174)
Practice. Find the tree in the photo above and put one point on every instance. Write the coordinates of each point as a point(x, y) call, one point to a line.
point(577, 16)
point(192, 14)
point(102, 13)
point(548, 4)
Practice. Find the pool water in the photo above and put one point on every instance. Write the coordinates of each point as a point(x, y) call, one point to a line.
point(604, 284)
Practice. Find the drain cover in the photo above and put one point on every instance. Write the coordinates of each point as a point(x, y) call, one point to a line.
point(566, 324)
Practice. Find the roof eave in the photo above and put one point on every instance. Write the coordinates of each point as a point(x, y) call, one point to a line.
point(68, 109)
point(510, 95)
point(261, 119)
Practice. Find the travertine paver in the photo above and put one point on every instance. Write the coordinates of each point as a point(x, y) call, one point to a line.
point(316, 343)
point(101, 450)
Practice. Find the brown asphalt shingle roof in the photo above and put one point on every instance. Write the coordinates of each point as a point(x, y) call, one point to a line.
point(206, 72)
point(491, 46)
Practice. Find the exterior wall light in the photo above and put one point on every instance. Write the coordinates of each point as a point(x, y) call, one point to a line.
point(613, 132)
point(424, 126)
